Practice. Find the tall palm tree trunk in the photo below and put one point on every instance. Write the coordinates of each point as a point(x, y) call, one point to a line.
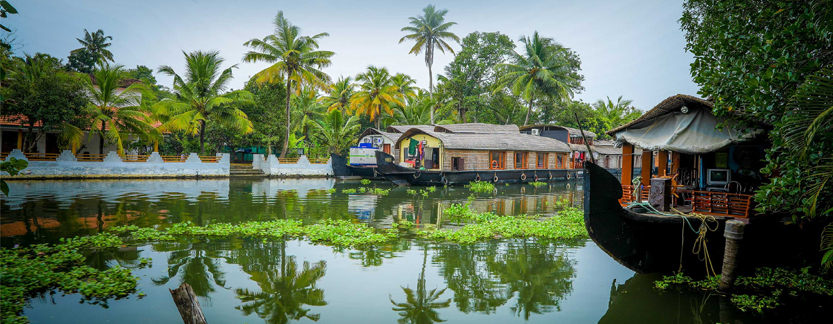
point(202, 137)
point(429, 60)
point(101, 140)
point(288, 93)
point(528, 111)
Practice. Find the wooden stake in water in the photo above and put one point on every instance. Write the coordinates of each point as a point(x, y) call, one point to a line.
point(734, 234)
point(188, 305)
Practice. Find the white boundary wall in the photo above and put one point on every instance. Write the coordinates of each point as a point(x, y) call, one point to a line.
point(303, 168)
point(66, 166)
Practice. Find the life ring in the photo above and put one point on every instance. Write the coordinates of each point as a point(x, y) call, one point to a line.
point(550, 175)
point(496, 179)
point(494, 164)
point(523, 176)
point(567, 176)
point(477, 177)
point(444, 180)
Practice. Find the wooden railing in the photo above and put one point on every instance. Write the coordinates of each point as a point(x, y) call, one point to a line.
point(288, 160)
point(627, 194)
point(41, 156)
point(210, 159)
point(174, 158)
point(135, 158)
point(721, 203)
point(319, 160)
point(90, 157)
point(124, 158)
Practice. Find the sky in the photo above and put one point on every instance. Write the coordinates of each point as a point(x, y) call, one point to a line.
point(628, 48)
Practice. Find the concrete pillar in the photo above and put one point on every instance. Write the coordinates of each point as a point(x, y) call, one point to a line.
point(733, 234)
point(627, 164)
point(662, 163)
point(646, 167)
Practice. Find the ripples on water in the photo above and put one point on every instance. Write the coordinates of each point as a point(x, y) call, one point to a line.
point(410, 281)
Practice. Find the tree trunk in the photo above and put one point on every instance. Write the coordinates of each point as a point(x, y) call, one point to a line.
point(188, 305)
point(431, 92)
point(377, 121)
point(286, 139)
point(528, 111)
point(101, 140)
point(202, 138)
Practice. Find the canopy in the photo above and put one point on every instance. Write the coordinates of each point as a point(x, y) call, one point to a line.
point(695, 132)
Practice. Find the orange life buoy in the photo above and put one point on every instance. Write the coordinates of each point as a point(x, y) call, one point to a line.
point(523, 176)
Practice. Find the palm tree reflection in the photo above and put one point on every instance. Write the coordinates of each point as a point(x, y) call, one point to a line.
point(196, 264)
point(284, 294)
point(421, 305)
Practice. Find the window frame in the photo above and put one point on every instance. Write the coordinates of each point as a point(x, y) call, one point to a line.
point(501, 165)
point(524, 162)
point(542, 163)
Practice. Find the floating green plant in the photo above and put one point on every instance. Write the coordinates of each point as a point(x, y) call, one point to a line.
point(348, 191)
point(365, 182)
point(538, 183)
point(481, 187)
point(567, 224)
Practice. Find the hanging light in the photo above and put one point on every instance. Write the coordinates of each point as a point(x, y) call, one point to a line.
point(684, 109)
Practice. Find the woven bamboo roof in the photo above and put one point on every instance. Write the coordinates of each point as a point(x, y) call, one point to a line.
point(477, 128)
point(499, 142)
point(667, 106)
point(574, 132)
point(373, 131)
point(404, 128)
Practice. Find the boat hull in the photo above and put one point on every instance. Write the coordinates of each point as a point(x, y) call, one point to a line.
point(342, 170)
point(647, 243)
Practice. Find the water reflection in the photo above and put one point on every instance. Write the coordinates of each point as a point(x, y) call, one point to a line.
point(196, 263)
point(421, 306)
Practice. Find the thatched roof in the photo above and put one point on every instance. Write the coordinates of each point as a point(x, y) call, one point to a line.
point(404, 128)
point(499, 142)
point(477, 128)
point(667, 106)
point(574, 132)
point(607, 150)
point(372, 131)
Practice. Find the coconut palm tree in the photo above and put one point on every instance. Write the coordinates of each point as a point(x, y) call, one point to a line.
point(201, 98)
point(618, 113)
point(295, 60)
point(407, 85)
point(542, 69)
point(306, 109)
point(377, 94)
point(116, 111)
point(339, 94)
point(430, 31)
point(336, 131)
point(96, 43)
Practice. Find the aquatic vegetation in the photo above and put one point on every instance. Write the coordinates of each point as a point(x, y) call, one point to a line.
point(379, 191)
point(481, 187)
point(411, 192)
point(566, 224)
point(348, 191)
point(343, 233)
point(362, 189)
point(431, 189)
point(538, 183)
point(365, 182)
point(26, 271)
point(332, 190)
point(760, 292)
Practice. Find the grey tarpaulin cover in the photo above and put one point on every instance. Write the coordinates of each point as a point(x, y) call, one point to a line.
point(691, 133)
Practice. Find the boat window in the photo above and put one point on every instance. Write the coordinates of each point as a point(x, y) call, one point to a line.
point(542, 160)
point(520, 160)
point(560, 161)
point(458, 164)
point(497, 160)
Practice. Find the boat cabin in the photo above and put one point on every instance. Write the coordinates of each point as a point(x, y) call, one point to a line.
point(609, 154)
point(711, 170)
point(479, 147)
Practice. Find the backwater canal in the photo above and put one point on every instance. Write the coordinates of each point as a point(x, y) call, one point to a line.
point(409, 280)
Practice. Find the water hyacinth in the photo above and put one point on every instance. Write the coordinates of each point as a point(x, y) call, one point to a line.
point(569, 223)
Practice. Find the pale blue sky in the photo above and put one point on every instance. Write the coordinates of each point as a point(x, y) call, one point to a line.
point(630, 48)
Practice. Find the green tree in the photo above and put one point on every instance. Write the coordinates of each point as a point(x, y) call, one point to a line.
point(115, 110)
point(96, 43)
point(143, 73)
point(36, 91)
point(295, 60)
point(265, 114)
point(751, 57)
point(406, 85)
point(545, 69)
point(201, 98)
point(81, 61)
point(618, 113)
point(336, 131)
point(472, 72)
point(306, 109)
point(429, 31)
point(338, 96)
point(377, 94)
point(420, 306)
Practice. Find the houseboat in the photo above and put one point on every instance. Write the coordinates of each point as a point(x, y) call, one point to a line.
point(604, 151)
point(702, 169)
point(462, 153)
point(361, 162)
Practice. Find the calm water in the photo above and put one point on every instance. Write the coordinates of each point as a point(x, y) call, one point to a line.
point(410, 281)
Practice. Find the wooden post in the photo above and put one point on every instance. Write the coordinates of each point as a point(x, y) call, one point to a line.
point(660, 194)
point(627, 164)
point(156, 146)
point(675, 163)
point(188, 305)
point(733, 234)
point(646, 167)
point(20, 139)
point(662, 163)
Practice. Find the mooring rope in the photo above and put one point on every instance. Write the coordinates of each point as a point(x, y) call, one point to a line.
point(700, 243)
